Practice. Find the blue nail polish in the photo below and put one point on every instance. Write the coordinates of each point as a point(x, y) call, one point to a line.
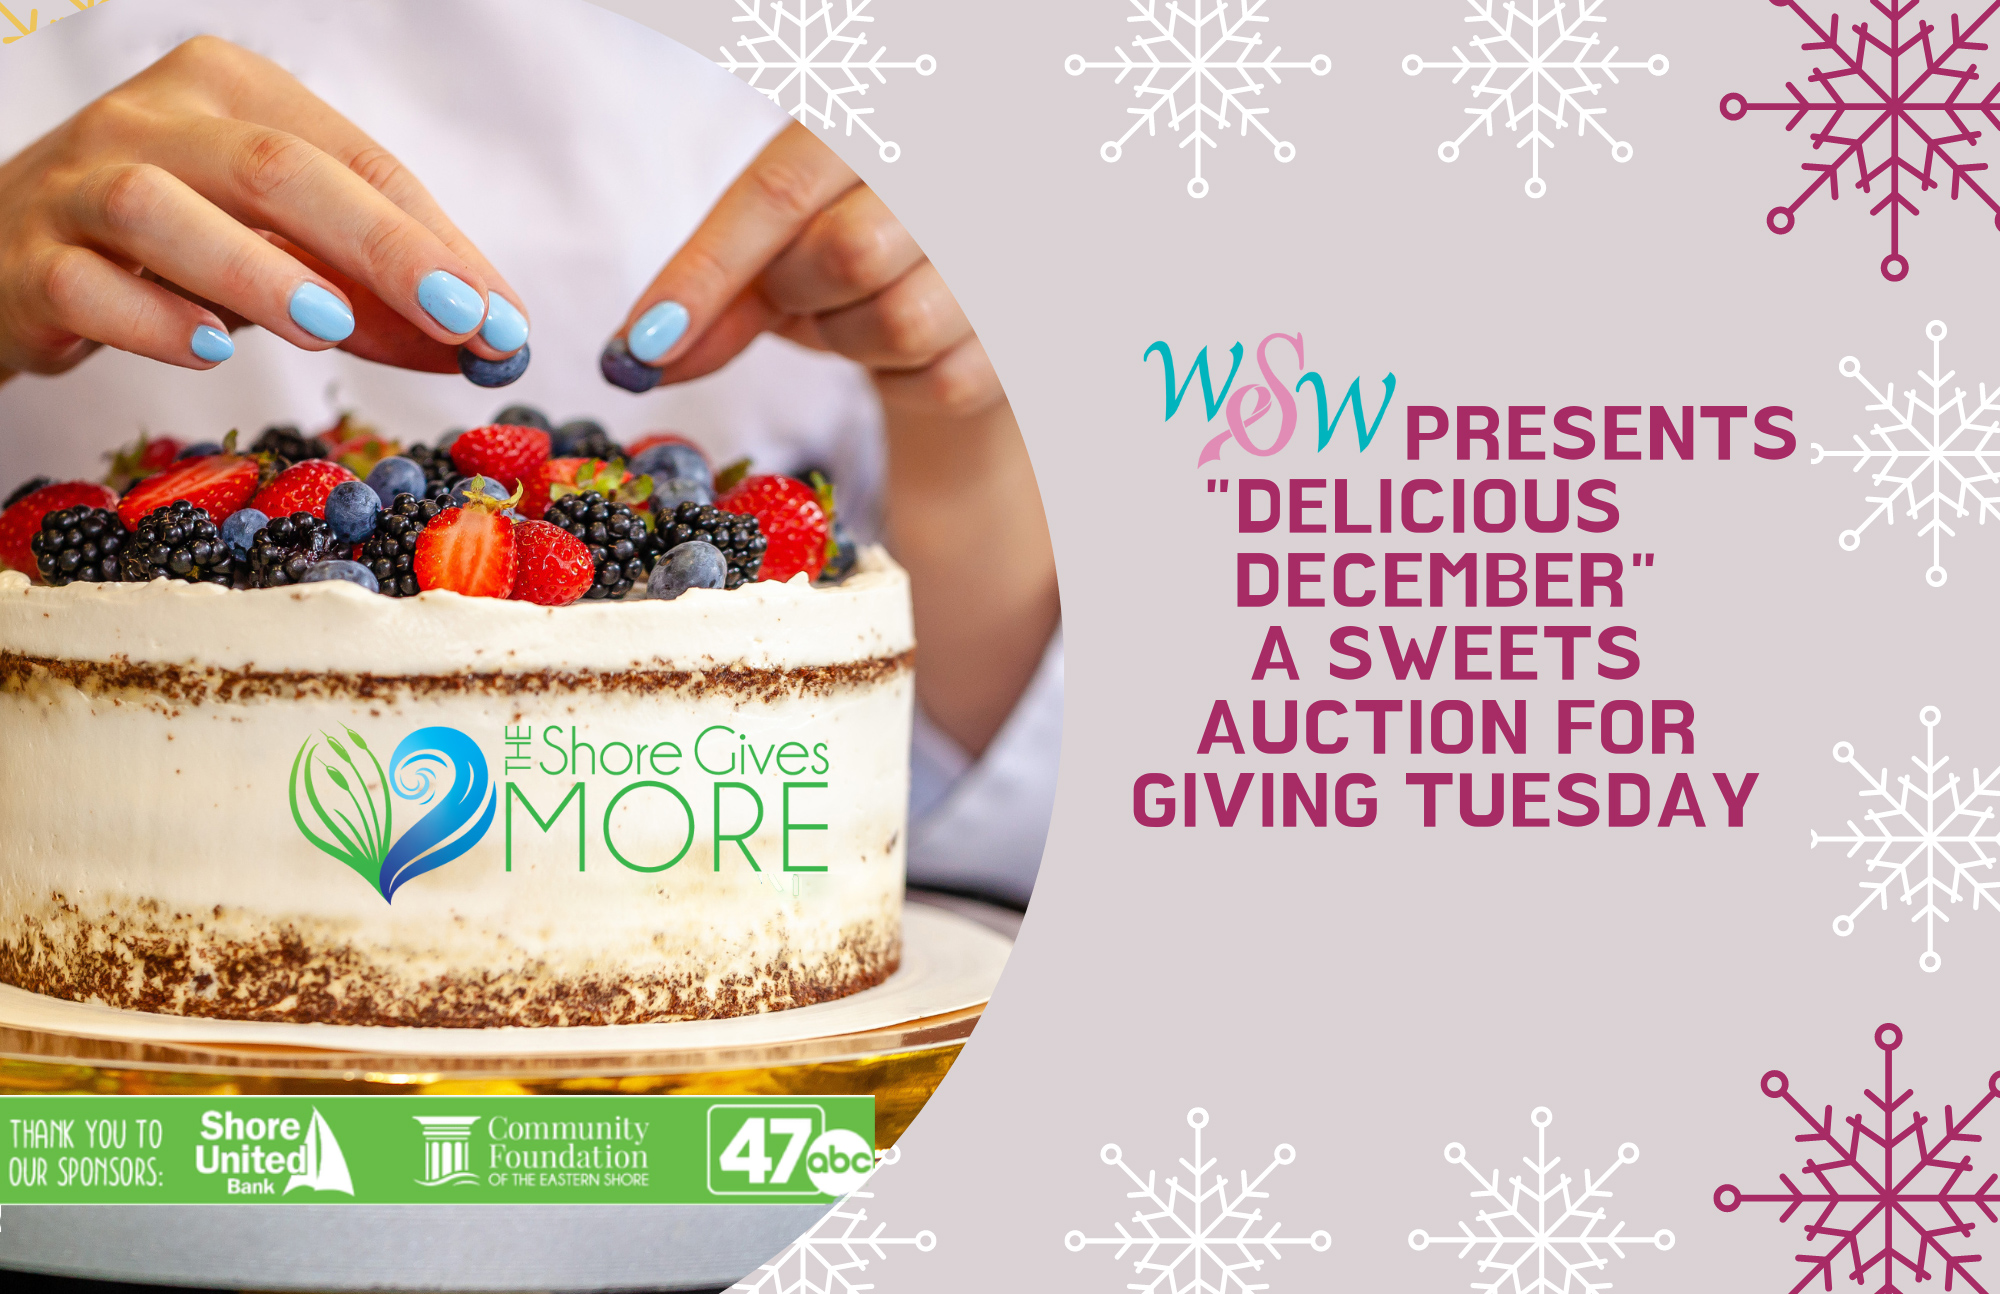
point(506, 329)
point(211, 344)
point(657, 331)
point(451, 301)
point(321, 313)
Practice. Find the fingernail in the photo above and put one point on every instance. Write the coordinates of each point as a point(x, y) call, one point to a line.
point(211, 344)
point(321, 313)
point(506, 329)
point(657, 331)
point(451, 301)
point(620, 369)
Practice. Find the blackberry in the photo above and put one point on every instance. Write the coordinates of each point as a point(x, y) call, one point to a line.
point(288, 443)
point(79, 544)
point(288, 547)
point(180, 542)
point(391, 553)
point(737, 534)
point(439, 474)
point(24, 489)
point(621, 548)
point(584, 438)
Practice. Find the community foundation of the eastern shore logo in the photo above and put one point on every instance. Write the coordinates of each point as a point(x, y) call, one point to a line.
point(645, 805)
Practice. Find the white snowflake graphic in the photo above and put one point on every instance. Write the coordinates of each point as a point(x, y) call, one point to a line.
point(1541, 1238)
point(1537, 68)
point(813, 57)
point(1929, 839)
point(1195, 68)
point(1935, 453)
point(1215, 1244)
point(828, 1258)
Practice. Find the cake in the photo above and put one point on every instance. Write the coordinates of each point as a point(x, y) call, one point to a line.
point(317, 803)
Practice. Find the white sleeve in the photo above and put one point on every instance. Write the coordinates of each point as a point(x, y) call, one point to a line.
point(979, 827)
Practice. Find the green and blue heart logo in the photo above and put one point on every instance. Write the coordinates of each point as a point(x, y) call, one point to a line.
point(356, 815)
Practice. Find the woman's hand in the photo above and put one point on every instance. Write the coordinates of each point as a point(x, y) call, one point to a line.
point(799, 246)
point(211, 190)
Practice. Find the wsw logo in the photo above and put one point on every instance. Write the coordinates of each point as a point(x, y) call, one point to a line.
point(441, 769)
point(1243, 407)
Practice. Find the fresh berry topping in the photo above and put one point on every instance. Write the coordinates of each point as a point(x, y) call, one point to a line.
point(351, 509)
point(563, 476)
point(493, 372)
point(693, 565)
point(302, 487)
point(287, 548)
point(621, 369)
point(738, 537)
point(557, 471)
point(554, 568)
point(341, 569)
point(289, 443)
point(472, 488)
point(439, 474)
point(26, 488)
point(24, 515)
point(653, 439)
point(793, 520)
point(179, 542)
point(79, 544)
point(203, 449)
point(218, 485)
point(141, 459)
point(509, 455)
point(670, 460)
point(523, 415)
point(668, 495)
point(840, 561)
point(397, 474)
point(621, 548)
point(239, 529)
point(468, 550)
point(392, 551)
point(584, 438)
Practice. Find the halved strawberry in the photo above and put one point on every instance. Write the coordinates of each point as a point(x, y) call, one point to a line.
point(302, 487)
point(19, 523)
point(553, 568)
point(509, 455)
point(469, 550)
point(793, 519)
point(218, 484)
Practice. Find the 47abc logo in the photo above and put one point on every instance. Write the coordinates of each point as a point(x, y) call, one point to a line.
point(783, 1150)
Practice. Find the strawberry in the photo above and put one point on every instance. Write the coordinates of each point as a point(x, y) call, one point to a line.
point(793, 519)
point(553, 567)
point(469, 550)
point(145, 457)
point(302, 487)
point(219, 485)
point(535, 498)
point(356, 447)
point(19, 523)
point(509, 455)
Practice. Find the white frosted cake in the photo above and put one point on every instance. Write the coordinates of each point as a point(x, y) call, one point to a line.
point(320, 804)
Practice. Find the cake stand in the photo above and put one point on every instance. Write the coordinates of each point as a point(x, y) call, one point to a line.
point(950, 958)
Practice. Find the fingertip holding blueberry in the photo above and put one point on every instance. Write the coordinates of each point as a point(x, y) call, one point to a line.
point(671, 493)
point(201, 449)
point(240, 529)
point(340, 569)
point(622, 370)
point(351, 509)
point(396, 475)
point(493, 372)
point(692, 565)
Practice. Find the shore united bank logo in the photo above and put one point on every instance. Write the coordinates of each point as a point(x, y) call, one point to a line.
point(447, 1148)
point(440, 769)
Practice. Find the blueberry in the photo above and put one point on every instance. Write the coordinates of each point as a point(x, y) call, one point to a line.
point(463, 492)
point(692, 565)
point(845, 554)
point(567, 441)
point(241, 527)
point(352, 572)
point(493, 372)
point(620, 369)
point(351, 510)
point(523, 415)
point(203, 449)
point(669, 461)
point(668, 495)
point(396, 475)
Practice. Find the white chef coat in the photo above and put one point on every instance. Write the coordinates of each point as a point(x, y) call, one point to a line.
point(578, 150)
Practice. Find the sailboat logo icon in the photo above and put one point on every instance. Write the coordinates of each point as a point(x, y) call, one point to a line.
point(325, 1167)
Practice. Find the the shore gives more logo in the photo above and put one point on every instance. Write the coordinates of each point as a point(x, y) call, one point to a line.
point(356, 817)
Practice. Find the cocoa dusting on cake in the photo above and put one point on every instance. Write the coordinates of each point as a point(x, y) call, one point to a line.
point(186, 685)
point(176, 964)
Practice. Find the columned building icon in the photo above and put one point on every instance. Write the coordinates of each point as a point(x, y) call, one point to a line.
point(447, 1148)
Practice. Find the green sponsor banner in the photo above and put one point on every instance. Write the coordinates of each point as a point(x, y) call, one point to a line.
point(434, 1149)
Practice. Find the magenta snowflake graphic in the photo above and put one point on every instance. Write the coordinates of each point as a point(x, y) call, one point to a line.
point(1898, 113)
point(1896, 1197)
